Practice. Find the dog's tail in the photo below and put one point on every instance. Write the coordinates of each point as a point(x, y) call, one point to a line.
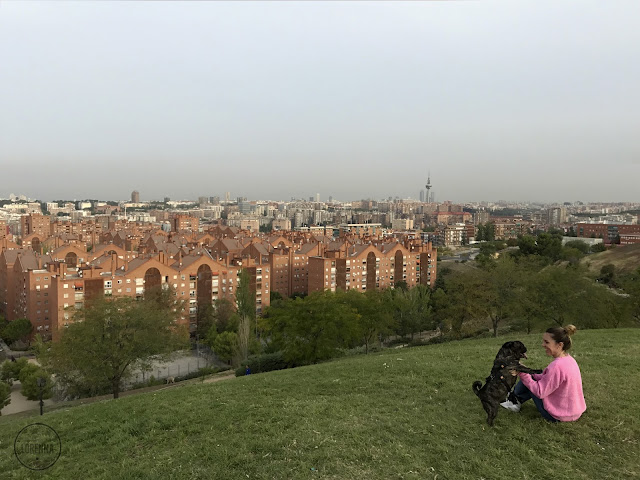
point(477, 385)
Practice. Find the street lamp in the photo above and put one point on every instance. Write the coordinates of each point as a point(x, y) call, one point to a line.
point(41, 382)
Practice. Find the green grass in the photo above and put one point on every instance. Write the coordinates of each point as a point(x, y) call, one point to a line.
point(405, 413)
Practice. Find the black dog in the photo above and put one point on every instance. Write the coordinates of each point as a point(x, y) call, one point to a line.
point(498, 385)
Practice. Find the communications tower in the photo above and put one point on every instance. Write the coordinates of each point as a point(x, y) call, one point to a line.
point(428, 187)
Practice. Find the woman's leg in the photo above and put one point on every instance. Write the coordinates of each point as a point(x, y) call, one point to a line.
point(540, 406)
point(521, 392)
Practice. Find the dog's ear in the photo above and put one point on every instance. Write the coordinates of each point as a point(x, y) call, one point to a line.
point(508, 348)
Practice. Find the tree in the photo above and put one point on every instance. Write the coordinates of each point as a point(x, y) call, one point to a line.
point(206, 318)
point(225, 345)
point(459, 305)
point(480, 229)
point(112, 335)
point(563, 295)
point(10, 371)
point(631, 286)
point(5, 395)
point(527, 245)
point(549, 245)
point(29, 380)
point(274, 296)
point(411, 309)
point(374, 316)
point(499, 297)
point(225, 316)
point(19, 329)
point(608, 275)
point(490, 232)
point(598, 247)
point(313, 328)
point(578, 244)
point(246, 300)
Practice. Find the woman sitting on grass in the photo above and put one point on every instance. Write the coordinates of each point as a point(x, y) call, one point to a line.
point(557, 391)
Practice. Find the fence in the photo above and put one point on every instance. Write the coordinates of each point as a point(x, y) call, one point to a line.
point(176, 368)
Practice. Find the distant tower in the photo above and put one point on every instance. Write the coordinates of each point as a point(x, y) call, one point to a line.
point(428, 187)
point(422, 195)
point(135, 197)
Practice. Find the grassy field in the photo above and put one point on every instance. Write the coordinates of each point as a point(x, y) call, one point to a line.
point(404, 413)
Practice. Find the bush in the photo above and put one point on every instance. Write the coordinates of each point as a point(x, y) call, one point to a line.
point(10, 371)
point(361, 350)
point(264, 363)
point(201, 373)
point(5, 395)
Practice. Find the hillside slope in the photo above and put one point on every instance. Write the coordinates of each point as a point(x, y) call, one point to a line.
point(626, 259)
point(406, 413)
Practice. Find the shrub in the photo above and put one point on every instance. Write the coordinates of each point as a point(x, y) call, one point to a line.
point(10, 371)
point(201, 373)
point(5, 395)
point(264, 363)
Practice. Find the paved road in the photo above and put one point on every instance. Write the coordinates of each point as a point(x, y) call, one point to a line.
point(19, 403)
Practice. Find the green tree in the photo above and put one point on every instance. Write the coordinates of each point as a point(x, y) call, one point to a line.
point(490, 232)
point(527, 245)
point(549, 245)
point(206, 318)
point(578, 244)
point(112, 335)
point(459, 305)
point(480, 236)
point(563, 295)
point(572, 255)
point(499, 297)
point(225, 316)
point(608, 275)
point(246, 299)
point(29, 380)
point(631, 287)
point(5, 395)
point(313, 328)
point(19, 329)
point(225, 346)
point(10, 371)
point(374, 317)
point(598, 247)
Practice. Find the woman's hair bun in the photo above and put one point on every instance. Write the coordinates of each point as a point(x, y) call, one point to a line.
point(570, 329)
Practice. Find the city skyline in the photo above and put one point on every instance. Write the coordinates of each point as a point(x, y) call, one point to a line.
point(356, 100)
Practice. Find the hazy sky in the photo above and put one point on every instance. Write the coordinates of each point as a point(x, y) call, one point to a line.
point(526, 100)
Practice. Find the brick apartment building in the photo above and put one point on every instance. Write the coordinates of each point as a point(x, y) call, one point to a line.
point(629, 234)
point(184, 223)
point(365, 267)
point(115, 257)
point(46, 290)
point(35, 224)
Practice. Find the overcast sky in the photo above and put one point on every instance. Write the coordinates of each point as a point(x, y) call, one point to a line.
point(530, 101)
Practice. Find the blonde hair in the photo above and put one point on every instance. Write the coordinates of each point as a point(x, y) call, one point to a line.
point(563, 334)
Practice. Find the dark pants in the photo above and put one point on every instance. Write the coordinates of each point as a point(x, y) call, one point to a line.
point(523, 394)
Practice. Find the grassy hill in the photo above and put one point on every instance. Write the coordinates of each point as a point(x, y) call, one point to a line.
point(400, 414)
point(626, 259)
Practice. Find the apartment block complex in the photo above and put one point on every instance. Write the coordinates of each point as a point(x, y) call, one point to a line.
point(610, 233)
point(107, 256)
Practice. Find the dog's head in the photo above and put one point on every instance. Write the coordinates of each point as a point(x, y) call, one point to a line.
point(514, 349)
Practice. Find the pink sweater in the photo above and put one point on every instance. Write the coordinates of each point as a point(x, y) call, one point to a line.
point(560, 388)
